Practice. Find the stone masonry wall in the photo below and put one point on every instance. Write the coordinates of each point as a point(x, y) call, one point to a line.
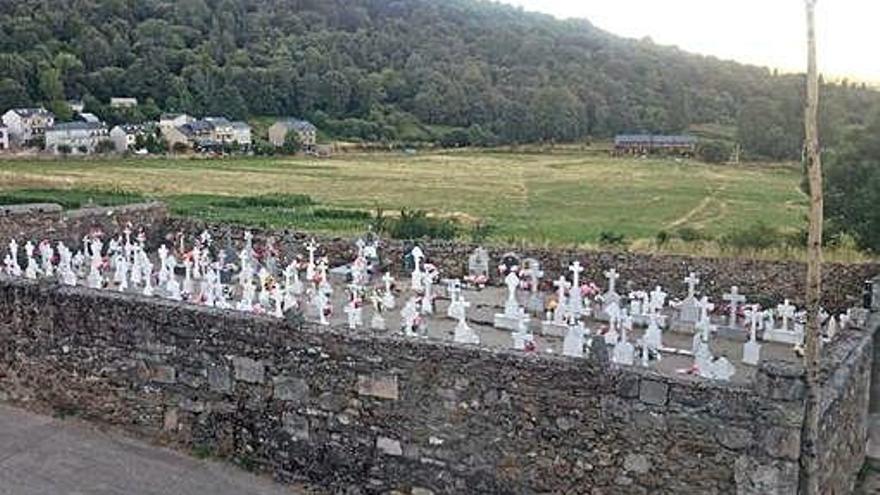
point(843, 436)
point(362, 413)
point(36, 222)
point(770, 281)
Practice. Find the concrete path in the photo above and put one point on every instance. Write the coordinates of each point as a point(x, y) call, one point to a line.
point(40, 455)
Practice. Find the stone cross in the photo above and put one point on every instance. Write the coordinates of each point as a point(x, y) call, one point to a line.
point(387, 279)
point(755, 315)
point(705, 307)
point(561, 285)
point(576, 269)
point(786, 312)
point(735, 299)
point(658, 299)
point(612, 277)
point(512, 282)
point(692, 281)
point(418, 255)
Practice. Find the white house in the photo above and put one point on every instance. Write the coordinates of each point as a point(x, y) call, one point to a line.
point(4, 138)
point(241, 133)
point(123, 102)
point(125, 136)
point(27, 124)
point(79, 137)
point(221, 129)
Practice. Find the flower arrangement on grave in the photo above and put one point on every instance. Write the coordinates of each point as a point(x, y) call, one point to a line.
point(478, 281)
point(590, 289)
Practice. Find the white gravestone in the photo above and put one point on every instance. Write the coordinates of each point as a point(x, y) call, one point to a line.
point(653, 338)
point(556, 321)
point(575, 299)
point(624, 351)
point(377, 322)
point(787, 334)
point(688, 311)
point(613, 311)
point(752, 349)
point(514, 316)
point(417, 255)
point(575, 338)
point(734, 300)
point(464, 334)
point(388, 300)
point(409, 316)
point(611, 296)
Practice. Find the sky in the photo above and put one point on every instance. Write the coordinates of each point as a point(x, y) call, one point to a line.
point(763, 32)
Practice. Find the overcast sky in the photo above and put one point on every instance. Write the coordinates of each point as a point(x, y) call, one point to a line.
point(763, 32)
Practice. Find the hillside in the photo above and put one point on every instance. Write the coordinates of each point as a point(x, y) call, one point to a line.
point(460, 71)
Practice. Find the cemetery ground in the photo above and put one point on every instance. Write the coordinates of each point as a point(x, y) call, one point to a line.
point(563, 198)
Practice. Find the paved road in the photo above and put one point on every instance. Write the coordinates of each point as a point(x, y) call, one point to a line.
point(40, 455)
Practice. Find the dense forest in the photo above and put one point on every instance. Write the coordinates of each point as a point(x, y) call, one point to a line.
point(456, 71)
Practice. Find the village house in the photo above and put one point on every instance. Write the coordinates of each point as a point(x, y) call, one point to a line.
point(168, 120)
point(308, 133)
point(125, 136)
point(123, 102)
point(77, 137)
point(27, 125)
point(241, 134)
point(4, 138)
point(88, 117)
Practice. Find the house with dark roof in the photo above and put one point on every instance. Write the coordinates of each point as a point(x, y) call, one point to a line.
point(643, 144)
point(308, 133)
point(27, 125)
point(76, 137)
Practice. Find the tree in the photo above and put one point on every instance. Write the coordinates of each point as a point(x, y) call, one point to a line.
point(810, 434)
point(292, 143)
point(714, 151)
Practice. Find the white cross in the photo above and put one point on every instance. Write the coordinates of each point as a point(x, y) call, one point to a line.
point(754, 319)
point(786, 311)
point(464, 305)
point(576, 269)
point(612, 277)
point(658, 299)
point(311, 247)
point(705, 306)
point(735, 299)
point(692, 281)
point(417, 255)
point(563, 285)
point(387, 279)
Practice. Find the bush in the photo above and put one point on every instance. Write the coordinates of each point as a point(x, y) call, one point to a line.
point(416, 224)
point(714, 151)
point(105, 146)
point(690, 234)
point(264, 201)
point(611, 239)
point(481, 231)
point(337, 214)
point(756, 237)
point(662, 238)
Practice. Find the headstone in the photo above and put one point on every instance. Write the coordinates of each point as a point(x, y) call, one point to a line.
point(464, 334)
point(532, 271)
point(653, 338)
point(734, 299)
point(377, 322)
point(575, 339)
point(624, 351)
point(611, 296)
point(556, 322)
point(752, 349)
point(311, 247)
point(409, 316)
point(688, 311)
point(613, 312)
point(354, 308)
point(172, 289)
point(575, 299)
point(478, 267)
point(388, 300)
point(417, 256)
point(514, 316)
point(788, 333)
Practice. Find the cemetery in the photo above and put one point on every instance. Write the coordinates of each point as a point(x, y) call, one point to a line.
point(375, 365)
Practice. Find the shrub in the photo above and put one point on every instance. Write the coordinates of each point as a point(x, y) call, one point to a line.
point(662, 238)
point(105, 146)
point(714, 151)
point(690, 234)
point(264, 201)
point(756, 237)
point(611, 239)
point(416, 224)
point(481, 231)
point(337, 214)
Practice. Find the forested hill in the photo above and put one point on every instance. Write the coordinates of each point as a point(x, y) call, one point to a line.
point(394, 69)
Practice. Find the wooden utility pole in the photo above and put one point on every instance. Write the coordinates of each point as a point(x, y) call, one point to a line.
point(810, 433)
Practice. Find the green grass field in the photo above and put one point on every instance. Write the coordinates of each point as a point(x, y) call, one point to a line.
point(560, 198)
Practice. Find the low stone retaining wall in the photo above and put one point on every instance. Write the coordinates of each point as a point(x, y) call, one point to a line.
point(363, 413)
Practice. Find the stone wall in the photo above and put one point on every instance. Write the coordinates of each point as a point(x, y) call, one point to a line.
point(36, 222)
point(766, 282)
point(363, 413)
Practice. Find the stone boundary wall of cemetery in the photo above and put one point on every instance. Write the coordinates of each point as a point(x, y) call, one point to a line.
point(765, 282)
point(373, 413)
